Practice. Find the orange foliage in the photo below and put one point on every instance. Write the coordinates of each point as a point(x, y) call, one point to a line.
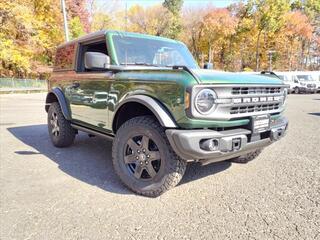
point(297, 24)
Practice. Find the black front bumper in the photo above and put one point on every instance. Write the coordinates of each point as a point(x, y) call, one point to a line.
point(186, 143)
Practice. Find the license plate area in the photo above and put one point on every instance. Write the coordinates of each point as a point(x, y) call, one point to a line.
point(260, 123)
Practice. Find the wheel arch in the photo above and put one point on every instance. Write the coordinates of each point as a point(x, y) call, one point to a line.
point(138, 105)
point(56, 95)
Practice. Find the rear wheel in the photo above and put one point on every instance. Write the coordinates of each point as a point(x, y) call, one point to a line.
point(144, 159)
point(247, 157)
point(60, 130)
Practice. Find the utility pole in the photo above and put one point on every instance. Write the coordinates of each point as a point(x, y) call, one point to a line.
point(65, 21)
point(270, 53)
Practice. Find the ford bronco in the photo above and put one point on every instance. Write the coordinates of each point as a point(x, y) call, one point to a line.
point(161, 110)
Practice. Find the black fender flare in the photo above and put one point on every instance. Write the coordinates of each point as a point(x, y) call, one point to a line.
point(58, 94)
point(161, 113)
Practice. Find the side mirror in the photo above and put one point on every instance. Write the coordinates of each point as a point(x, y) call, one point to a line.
point(208, 65)
point(96, 60)
point(296, 81)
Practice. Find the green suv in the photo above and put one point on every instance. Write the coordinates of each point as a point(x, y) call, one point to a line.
point(161, 110)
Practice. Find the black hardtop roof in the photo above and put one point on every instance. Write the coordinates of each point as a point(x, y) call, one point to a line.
point(102, 33)
point(88, 37)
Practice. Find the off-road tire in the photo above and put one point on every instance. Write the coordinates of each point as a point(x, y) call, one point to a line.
point(247, 157)
point(172, 166)
point(66, 133)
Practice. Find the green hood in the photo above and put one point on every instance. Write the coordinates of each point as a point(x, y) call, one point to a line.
point(212, 77)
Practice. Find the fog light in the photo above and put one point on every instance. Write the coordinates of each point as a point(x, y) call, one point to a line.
point(209, 144)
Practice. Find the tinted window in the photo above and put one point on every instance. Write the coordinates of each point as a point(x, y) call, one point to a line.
point(65, 57)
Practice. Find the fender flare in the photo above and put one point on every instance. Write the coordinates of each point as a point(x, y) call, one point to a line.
point(57, 92)
point(161, 113)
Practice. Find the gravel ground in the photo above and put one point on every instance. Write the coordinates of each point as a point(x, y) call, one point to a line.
point(73, 193)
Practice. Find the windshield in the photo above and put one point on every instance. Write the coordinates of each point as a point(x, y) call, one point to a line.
point(304, 78)
point(153, 52)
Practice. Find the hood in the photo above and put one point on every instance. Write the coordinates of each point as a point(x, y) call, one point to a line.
point(206, 76)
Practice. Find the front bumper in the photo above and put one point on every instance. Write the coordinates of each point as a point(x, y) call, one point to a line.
point(186, 143)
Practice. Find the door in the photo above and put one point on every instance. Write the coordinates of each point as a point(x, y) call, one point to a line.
point(89, 89)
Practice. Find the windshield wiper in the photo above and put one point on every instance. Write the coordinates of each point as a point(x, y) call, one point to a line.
point(140, 64)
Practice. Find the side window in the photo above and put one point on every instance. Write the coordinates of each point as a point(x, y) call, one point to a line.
point(99, 47)
point(64, 57)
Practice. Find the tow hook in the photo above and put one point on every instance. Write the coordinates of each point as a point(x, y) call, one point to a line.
point(236, 144)
point(277, 133)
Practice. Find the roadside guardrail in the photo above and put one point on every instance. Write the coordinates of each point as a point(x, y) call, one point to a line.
point(17, 85)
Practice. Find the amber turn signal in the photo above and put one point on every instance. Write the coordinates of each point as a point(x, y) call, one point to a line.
point(186, 100)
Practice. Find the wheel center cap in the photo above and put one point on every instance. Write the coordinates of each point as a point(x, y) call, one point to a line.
point(142, 157)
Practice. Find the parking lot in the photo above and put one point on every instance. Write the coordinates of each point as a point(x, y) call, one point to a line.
point(73, 193)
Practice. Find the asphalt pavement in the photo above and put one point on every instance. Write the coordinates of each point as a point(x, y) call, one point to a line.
point(73, 193)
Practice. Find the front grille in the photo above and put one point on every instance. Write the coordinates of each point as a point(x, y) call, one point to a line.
point(242, 101)
point(255, 90)
point(254, 108)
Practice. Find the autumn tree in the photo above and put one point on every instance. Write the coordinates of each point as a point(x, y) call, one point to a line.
point(174, 26)
point(239, 36)
point(217, 28)
point(153, 20)
point(30, 31)
point(268, 17)
point(192, 30)
point(107, 15)
point(78, 16)
point(310, 8)
point(297, 30)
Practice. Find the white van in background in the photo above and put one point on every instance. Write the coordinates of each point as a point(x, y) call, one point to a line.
point(298, 81)
point(287, 79)
point(305, 82)
point(316, 76)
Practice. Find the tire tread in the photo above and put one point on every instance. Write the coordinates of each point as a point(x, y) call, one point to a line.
point(177, 165)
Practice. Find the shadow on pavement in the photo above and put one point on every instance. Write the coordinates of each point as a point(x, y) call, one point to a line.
point(196, 171)
point(89, 159)
point(315, 114)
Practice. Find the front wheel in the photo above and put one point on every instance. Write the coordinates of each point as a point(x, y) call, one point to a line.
point(143, 158)
point(296, 90)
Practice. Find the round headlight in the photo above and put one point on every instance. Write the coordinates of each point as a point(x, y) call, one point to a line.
point(205, 101)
